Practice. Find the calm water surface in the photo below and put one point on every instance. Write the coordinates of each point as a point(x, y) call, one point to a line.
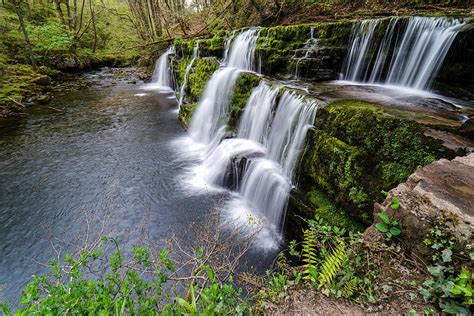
point(105, 150)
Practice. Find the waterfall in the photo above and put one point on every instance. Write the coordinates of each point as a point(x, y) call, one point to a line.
point(270, 140)
point(256, 118)
point(267, 181)
point(258, 164)
point(242, 52)
point(208, 123)
point(186, 73)
point(309, 47)
point(417, 46)
point(161, 75)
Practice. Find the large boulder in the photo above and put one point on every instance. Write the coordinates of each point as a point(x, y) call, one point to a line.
point(442, 193)
point(357, 149)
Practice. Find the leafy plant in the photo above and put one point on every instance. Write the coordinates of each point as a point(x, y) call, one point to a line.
point(450, 290)
point(389, 226)
point(332, 264)
point(104, 282)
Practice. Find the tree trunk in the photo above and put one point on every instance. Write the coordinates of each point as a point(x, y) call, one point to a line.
point(16, 4)
point(93, 25)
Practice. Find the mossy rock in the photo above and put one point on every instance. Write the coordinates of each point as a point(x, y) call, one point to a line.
point(356, 150)
point(304, 205)
point(186, 112)
point(242, 90)
point(20, 82)
point(198, 76)
point(197, 79)
point(208, 46)
point(276, 48)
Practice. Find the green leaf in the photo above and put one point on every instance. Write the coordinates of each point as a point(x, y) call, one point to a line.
point(395, 203)
point(381, 227)
point(446, 255)
point(384, 217)
point(184, 304)
point(395, 231)
point(436, 270)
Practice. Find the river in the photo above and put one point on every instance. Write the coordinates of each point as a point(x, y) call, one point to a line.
point(106, 152)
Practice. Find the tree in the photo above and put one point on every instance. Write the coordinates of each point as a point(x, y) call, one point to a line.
point(19, 13)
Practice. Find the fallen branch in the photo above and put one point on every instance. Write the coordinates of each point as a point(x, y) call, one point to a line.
point(17, 102)
point(50, 107)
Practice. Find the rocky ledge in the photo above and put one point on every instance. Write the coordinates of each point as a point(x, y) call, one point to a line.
point(440, 194)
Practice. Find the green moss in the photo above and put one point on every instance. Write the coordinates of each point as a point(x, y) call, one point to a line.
point(357, 150)
point(197, 78)
point(330, 212)
point(276, 48)
point(18, 82)
point(242, 90)
point(186, 112)
point(179, 69)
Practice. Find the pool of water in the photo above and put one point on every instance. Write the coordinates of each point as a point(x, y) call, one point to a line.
point(107, 152)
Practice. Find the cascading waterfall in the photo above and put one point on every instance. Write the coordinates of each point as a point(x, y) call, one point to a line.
point(256, 118)
point(266, 182)
point(161, 75)
point(417, 46)
point(186, 73)
point(258, 164)
point(309, 47)
point(208, 124)
point(270, 140)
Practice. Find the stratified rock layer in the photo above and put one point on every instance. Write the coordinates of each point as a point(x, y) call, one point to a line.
point(442, 193)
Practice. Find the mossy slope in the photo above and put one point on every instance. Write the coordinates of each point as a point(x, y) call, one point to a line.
point(198, 76)
point(356, 150)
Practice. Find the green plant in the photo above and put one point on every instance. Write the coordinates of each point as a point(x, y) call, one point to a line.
point(323, 252)
point(102, 279)
point(332, 264)
point(451, 290)
point(389, 226)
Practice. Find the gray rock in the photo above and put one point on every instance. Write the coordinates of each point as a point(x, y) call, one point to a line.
point(440, 193)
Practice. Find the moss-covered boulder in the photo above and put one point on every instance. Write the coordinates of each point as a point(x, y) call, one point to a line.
point(356, 150)
point(198, 76)
point(242, 90)
point(212, 46)
point(277, 49)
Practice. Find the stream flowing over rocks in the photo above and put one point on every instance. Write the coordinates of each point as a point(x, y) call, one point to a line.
point(393, 112)
point(283, 124)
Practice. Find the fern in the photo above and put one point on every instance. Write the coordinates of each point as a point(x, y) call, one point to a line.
point(349, 287)
point(282, 264)
point(332, 264)
point(310, 257)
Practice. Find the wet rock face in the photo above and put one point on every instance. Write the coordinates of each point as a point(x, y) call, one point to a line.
point(456, 76)
point(285, 51)
point(440, 193)
point(357, 149)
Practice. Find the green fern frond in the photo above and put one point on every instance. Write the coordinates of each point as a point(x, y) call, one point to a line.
point(282, 263)
point(332, 264)
point(310, 256)
point(349, 287)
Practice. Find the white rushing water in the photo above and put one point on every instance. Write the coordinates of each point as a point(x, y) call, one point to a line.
point(266, 182)
point(161, 78)
point(417, 46)
point(182, 90)
point(270, 142)
point(309, 48)
point(257, 165)
point(208, 123)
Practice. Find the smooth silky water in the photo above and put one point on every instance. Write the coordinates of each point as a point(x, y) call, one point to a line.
point(107, 150)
